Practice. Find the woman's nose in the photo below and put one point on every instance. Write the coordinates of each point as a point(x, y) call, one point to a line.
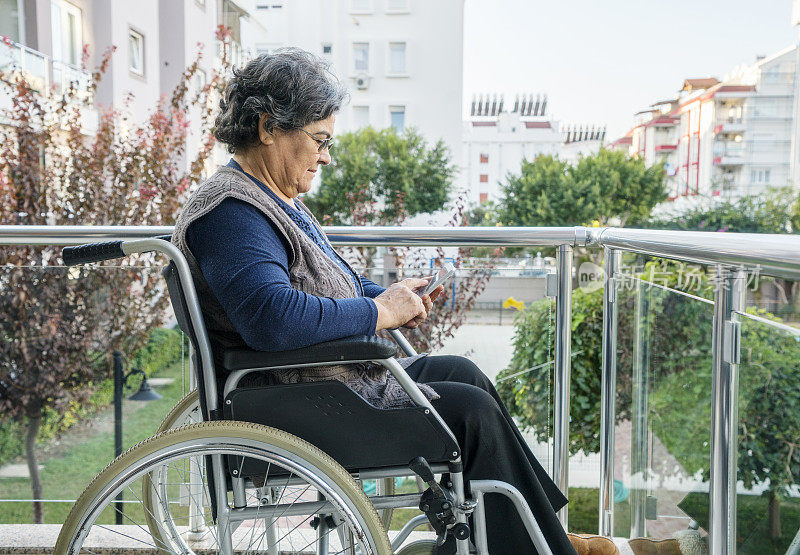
point(325, 157)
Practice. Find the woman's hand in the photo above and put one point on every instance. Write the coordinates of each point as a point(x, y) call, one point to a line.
point(399, 305)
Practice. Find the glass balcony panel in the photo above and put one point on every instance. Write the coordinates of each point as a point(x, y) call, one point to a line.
point(34, 64)
point(54, 315)
point(663, 426)
point(768, 488)
point(488, 302)
point(10, 56)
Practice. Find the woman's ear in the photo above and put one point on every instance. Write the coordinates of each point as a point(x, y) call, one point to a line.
point(264, 136)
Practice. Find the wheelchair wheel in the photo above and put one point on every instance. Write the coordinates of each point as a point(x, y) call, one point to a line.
point(310, 497)
point(421, 547)
point(187, 411)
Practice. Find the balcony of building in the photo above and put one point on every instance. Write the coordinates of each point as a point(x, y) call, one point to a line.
point(48, 77)
point(687, 372)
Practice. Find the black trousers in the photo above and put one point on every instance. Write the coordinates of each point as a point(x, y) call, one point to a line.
point(493, 449)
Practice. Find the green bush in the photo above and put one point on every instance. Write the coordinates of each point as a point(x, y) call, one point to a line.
point(528, 395)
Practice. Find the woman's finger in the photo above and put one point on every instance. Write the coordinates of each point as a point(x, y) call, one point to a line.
point(436, 292)
point(414, 283)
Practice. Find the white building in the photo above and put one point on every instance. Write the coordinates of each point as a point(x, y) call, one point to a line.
point(578, 141)
point(497, 137)
point(401, 59)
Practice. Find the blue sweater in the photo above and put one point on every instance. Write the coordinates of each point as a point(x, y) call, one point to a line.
point(245, 262)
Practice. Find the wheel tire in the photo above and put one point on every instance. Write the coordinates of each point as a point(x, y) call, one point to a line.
point(421, 547)
point(131, 464)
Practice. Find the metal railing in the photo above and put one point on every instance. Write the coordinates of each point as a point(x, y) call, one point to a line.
point(732, 254)
point(41, 71)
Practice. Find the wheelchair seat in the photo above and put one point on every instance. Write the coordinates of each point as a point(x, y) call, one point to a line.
point(327, 414)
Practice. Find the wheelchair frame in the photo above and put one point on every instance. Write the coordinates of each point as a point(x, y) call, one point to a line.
point(229, 517)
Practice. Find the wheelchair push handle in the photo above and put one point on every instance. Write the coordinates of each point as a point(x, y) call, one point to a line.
point(109, 250)
point(92, 252)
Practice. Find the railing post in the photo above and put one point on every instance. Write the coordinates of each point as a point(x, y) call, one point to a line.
point(119, 390)
point(608, 393)
point(728, 297)
point(640, 394)
point(563, 343)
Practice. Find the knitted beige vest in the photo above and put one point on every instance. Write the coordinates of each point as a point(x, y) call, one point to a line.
point(310, 271)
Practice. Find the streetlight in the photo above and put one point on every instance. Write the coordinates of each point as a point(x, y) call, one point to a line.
point(145, 393)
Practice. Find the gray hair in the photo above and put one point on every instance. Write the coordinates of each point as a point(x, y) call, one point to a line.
point(292, 86)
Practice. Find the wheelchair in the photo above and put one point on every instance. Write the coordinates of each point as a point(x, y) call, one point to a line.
point(279, 469)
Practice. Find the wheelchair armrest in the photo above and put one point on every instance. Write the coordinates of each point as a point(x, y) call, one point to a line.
point(357, 347)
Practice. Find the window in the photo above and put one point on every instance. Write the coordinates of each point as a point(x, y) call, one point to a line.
point(361, 6)
point(361, 116)
point(397, 58)
point(484, 198)
point(327, 48)
point(361, 56)
point(9, 24)
point(484, 158)
point(136, 52)
point(397, 117)
point(772, 75)
point(484, 178)
point(759, 176)
point(67, 28)
point(765, 107)
point(397, 6)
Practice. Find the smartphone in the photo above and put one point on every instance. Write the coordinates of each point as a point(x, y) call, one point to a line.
point(445, 272)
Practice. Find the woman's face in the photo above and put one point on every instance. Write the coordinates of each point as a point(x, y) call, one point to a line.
point(299, 157)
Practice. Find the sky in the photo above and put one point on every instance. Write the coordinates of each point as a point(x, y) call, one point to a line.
point(600, 61)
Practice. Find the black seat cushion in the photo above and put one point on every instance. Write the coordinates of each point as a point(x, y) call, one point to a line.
point(337, 420)
point(357, 347)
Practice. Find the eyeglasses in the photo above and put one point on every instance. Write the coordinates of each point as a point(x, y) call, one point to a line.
point(324, 144)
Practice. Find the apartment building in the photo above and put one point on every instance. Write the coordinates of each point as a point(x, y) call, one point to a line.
point(726, 138)
point(498, 136)
point(155, 40)
point(402, 60)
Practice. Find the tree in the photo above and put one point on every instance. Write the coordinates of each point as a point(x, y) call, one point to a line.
point(777, 210)
point(772, 212)
point(52, 172)
point(603, 187)
point(396, 174)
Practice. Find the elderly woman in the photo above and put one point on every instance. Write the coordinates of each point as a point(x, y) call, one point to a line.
point(268, 278)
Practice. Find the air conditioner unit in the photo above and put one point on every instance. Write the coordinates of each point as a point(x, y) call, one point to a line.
point(362, 81)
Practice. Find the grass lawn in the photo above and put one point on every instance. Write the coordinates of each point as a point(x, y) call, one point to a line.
point(65, 476)
point(752, 522)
